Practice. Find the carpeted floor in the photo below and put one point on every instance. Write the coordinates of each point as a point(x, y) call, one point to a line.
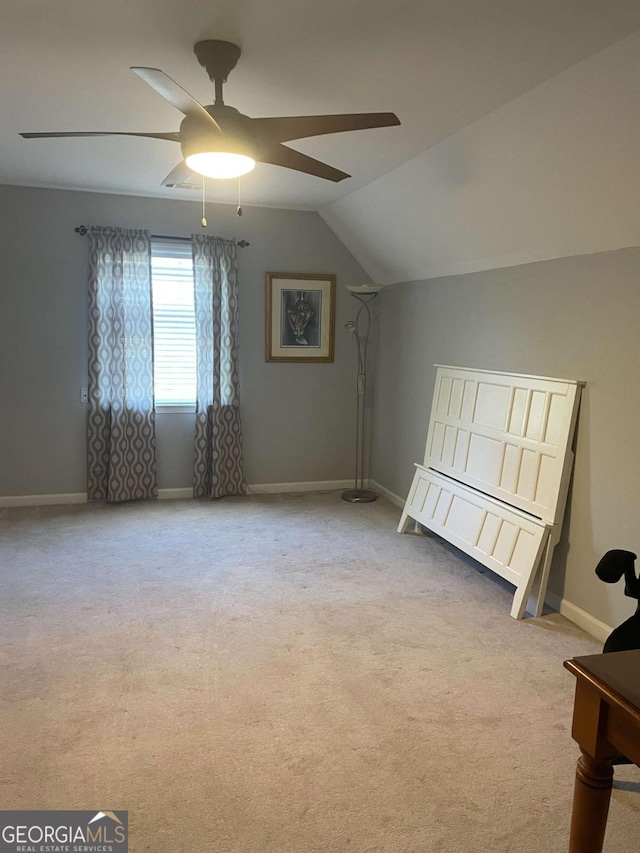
point(283, 674)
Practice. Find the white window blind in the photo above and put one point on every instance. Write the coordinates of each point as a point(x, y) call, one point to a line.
point(174, 329)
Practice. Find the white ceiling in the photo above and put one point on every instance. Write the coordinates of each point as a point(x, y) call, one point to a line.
point(551, 174)
point(439, 64)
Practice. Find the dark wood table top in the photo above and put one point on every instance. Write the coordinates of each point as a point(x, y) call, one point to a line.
point(617, 671)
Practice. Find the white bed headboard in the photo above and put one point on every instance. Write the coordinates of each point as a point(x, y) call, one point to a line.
point(506, 434)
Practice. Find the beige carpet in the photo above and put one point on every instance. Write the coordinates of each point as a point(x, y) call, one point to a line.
point(283, 674)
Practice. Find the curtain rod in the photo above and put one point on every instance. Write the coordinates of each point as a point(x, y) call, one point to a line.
point(82, 230)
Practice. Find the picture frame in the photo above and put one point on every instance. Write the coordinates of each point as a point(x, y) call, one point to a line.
point(300, 317)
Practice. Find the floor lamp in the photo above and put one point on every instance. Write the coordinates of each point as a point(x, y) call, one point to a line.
point(364, 293)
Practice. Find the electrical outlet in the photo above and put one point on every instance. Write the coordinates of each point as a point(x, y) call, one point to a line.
point(84, 395)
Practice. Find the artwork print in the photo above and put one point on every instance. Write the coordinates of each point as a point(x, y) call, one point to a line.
point(300, 320)
point(300, 317)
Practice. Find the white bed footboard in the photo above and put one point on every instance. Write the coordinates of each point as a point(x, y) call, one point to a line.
point(496, 471)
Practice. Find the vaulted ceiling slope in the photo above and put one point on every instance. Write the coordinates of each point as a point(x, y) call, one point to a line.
point(551, 174)
point(439, 64)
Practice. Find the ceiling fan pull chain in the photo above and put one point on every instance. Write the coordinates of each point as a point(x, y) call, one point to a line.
point(204, 218)
point(239, 208)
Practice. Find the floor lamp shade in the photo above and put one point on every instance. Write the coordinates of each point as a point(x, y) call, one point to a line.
point(360, 328)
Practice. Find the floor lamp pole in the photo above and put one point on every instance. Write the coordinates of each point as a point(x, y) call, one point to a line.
point(364, 294)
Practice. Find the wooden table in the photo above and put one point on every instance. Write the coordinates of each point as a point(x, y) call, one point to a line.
point(606, 722)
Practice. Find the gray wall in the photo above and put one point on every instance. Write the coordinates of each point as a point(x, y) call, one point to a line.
point(297, 418)
point(574, 317)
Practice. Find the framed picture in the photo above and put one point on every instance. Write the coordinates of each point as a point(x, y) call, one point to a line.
point(300, 317)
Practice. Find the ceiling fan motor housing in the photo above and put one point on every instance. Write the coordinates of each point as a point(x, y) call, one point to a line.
point(237, 136)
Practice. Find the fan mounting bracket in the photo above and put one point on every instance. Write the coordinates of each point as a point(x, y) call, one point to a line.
point(218, 58)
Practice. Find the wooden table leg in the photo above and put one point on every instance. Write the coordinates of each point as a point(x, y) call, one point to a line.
point(592, 794)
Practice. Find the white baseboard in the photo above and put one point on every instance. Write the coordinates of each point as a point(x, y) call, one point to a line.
point(78, 498)
point(42, 500)
point(175, 494)
point(578, 616)
point(388, 494)
point(310, 486)
point(268, 488)
point(585, 620)
point(597, 629)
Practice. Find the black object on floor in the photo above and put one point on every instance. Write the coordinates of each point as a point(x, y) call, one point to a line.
point(625, 637)
point(610, 569)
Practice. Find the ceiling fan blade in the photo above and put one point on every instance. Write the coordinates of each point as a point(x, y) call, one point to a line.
point(182, 174)
point(282, 129)
point(172, 137)
point(280, 155)
point(176, 95)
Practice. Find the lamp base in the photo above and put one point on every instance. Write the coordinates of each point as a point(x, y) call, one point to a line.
point(359, 496)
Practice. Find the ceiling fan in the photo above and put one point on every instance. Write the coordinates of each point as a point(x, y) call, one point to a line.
point(218, 141)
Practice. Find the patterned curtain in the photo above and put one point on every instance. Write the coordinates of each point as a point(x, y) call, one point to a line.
point(121, 438)
point(217, 469)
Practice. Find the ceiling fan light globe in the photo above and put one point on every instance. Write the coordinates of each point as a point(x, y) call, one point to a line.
point(220, 164)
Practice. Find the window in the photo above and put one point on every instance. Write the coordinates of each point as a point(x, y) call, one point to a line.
point(174, 328)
